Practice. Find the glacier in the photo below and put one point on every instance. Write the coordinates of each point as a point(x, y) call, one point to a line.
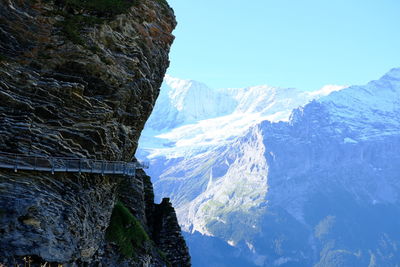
point(269, 176)
point(189, 116)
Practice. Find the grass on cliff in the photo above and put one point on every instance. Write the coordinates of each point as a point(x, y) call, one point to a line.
point(83, 13)
point(162, 2)
point(73, 24)
point(86, 13)
point(101, 7)
point(126, 231)
point(3, 58)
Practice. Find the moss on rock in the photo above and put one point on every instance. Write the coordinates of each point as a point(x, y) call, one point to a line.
point(79, 14)
point(101, 7)
point(126, 231)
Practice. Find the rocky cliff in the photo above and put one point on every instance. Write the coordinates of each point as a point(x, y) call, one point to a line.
point(79, 79)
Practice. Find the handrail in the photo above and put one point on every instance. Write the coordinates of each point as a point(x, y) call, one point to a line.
point(68, 164)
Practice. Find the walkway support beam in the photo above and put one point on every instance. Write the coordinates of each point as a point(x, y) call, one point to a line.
point(68, 164)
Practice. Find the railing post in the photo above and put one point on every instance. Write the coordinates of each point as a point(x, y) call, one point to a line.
point(80, 166)
point(52, 165)
point(16, 164)
point(102, 167)
point(124, 169)
point(134, 170)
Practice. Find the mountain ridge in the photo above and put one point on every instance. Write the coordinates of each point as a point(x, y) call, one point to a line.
point(333, 152)
point(269, 103)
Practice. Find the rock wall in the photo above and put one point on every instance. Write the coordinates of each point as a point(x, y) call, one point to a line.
point(168, 235)
point(76, 80)
point(159, 219)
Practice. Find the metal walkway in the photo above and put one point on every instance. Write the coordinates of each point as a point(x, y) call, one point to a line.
point(60, 164)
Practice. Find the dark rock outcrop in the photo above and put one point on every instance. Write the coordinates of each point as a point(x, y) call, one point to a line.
point(77, 81)
point(167, 234)
point(159, 219)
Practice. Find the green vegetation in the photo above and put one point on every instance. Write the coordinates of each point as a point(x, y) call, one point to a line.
point(86, 13)
point(73, 24)
point(126, 231)
point(162, 2)
point(3, 58)
point(101, 7)
point(2, 212)
point(163, 256)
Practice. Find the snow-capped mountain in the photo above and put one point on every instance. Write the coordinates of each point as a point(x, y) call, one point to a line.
point(182, 102)
point(189, 115)
point(284, 177)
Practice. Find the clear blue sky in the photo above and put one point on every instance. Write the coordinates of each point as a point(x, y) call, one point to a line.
point(290, 43)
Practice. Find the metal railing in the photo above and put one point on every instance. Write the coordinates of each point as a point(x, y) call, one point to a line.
point(66, 164)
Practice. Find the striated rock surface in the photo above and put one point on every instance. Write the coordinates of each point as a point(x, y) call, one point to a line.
point(78, 80)
point(167, 234)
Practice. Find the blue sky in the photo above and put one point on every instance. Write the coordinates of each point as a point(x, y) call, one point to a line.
point(289, 43)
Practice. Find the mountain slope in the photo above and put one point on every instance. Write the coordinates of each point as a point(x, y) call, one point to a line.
point(318, 186)
point(188, 115)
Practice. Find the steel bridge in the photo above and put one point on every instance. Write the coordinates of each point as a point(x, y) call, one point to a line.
point(68, 164)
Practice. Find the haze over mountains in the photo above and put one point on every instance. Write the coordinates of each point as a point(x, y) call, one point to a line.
point(266, 176)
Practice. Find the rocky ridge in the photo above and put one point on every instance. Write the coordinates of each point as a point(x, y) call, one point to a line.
point(79, 80)
point(320, 188)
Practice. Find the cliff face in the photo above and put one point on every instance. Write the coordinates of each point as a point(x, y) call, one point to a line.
point(78, 79)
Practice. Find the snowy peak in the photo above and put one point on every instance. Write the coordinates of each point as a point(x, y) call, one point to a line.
point(176, 83)
point(284, 167)
point(393, 74)
point(186, 101)
point(385, 88)
point(327, 89)
point(188, 96)
point(372, 109)
point(189, 116)
point(268, 100)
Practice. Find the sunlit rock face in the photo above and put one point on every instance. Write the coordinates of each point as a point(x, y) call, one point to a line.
point(77, 81)
point(311, 183)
